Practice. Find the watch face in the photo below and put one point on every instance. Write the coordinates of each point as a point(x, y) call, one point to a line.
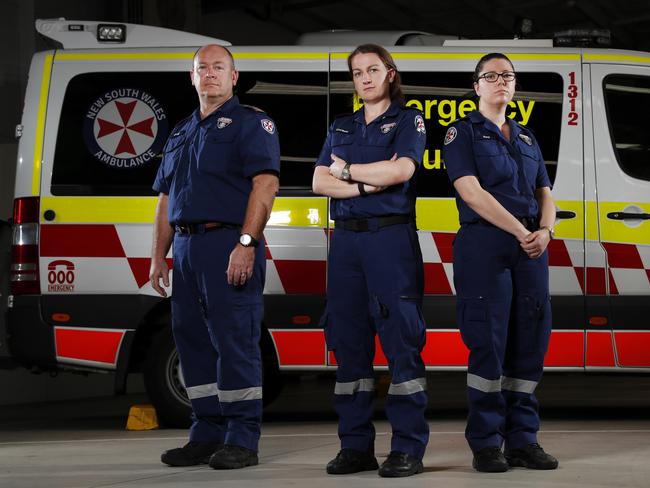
point(245, 240)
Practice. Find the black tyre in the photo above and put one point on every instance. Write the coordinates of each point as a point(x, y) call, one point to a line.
point(164, 381)
point(272, 380)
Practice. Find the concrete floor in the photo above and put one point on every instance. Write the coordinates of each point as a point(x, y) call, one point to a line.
point(602, 442)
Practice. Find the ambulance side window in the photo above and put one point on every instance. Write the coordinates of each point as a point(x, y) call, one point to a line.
point(112, 130)
point(627, 101)
point(297, 102)
point(114, 125)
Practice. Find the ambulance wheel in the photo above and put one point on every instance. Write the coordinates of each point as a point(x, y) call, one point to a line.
point(272, 380)
point(164, 382)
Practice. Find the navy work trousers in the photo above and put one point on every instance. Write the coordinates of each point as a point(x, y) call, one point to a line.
point(375, 286)
point(504, 314)
point(217, 332)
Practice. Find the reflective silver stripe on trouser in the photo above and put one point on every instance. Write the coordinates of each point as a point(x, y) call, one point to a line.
point(515, 384)
point(408, 387)
point(225, 396)
point(202, 391)
point(482, 384)
point(351, 387)
point(229, 396)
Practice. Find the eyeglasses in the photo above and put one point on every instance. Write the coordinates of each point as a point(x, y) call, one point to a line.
point(492, 76)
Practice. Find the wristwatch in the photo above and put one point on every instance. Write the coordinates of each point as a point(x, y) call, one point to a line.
point(345, 172)
point(550, 230)
point(248, 240)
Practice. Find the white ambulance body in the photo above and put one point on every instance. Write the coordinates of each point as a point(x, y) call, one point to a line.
point(96, 117)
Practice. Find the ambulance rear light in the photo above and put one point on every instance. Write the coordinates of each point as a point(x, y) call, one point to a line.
point(23, 274)
point(26, 210)
point(111, 32)
point(25, 235)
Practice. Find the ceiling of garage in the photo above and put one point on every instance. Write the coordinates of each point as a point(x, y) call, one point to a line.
point(627, 20)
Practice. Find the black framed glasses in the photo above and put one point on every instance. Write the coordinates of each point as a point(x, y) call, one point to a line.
point(493, 76)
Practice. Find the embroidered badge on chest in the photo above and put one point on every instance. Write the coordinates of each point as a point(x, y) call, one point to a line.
point(386, 128)
point(268, 126)
point(450, 135)
point(526, 139)
point(223, 122)
point(419, 124)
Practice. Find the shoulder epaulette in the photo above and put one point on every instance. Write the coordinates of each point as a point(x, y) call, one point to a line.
point(179, 125)
point(343, 123)
point(525, 128)
point(459, 120)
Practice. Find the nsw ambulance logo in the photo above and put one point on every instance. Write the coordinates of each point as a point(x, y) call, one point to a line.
point(125, 128)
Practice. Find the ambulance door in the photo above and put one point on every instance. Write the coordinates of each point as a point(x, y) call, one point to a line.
point(109, 114)
point(291, 87)
point(621, 101)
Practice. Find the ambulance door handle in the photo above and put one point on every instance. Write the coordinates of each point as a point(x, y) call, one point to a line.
point(628, 216)
point(565, 214)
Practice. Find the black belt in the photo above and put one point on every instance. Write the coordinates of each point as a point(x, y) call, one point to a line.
point(203, 227)
point(372, 223)
point(531, 223)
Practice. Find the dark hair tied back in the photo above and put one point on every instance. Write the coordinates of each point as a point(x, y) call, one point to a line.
point(485, 59)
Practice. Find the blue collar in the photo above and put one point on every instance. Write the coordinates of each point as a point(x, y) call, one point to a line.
point(392, 111)
point(478, 118)
point(225, 108)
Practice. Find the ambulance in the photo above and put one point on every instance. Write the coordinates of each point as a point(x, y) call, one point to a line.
point(101, 103)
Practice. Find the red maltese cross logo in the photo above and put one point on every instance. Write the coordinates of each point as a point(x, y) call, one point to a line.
point(125, 127)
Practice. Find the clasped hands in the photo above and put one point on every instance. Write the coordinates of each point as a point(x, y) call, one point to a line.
point(534, 244)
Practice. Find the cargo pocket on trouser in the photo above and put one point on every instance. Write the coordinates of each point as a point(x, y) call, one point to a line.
point(545, 324)
point(402, 334)
point(533, 332)
point(473, 322)
point(238, 346)
point(478, 329)
point(533, 324)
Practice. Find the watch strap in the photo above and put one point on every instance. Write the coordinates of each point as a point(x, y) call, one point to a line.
point(362, 189)
point(254, 242)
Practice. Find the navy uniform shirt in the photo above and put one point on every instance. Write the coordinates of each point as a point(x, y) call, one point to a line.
point(510, 171)
point(400, 130)
point(208, 165)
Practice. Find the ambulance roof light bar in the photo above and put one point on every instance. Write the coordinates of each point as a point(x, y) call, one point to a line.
point(498, 43)
point(343, 37)
point(90, 34)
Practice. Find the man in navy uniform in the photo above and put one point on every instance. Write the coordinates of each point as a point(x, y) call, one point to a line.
point(216, 183)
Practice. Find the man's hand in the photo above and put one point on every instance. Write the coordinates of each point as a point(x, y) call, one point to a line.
point(336, 168)
point(535, 243)
point(240, 265)
point(159, 269)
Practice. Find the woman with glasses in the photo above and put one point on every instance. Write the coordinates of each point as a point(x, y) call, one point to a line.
point(375, 272)
point(506, 211)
